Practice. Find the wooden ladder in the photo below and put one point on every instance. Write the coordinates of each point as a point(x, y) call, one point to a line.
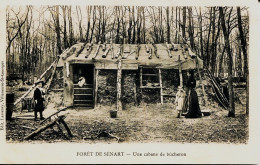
point(83, 96)
point(158, 74)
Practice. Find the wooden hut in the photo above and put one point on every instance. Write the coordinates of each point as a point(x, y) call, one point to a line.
point(116, 73)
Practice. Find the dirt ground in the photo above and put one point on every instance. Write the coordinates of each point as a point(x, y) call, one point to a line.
point(143, 124)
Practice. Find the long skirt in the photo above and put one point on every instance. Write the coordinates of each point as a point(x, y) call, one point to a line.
point(193, 105)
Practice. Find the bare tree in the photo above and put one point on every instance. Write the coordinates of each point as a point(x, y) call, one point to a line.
point(230, 77)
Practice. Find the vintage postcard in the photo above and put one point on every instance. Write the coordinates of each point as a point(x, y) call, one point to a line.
point(137, 82)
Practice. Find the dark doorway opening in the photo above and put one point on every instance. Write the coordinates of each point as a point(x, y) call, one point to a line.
point(83, 80)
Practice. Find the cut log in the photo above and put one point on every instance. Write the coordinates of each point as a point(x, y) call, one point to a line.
point(104, 55)
point(89, 49)
point(155, 50)
point(72, 50)
point(147, 48)
point(43, 128)
point(169, 51)
point(95, 55)
point(174, 46)
point(104, 47)
point(150, 54)
point(81, 49)
point(191, 53)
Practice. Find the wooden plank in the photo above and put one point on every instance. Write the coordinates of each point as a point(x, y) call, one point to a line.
point(150, 74)
point(161, 89)
point(142, 87)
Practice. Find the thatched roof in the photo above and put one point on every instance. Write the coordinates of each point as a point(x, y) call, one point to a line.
point(130, 59)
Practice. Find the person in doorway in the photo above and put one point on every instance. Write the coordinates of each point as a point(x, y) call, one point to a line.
point(39, 99)
point(179, 100)
point(193, 102)
point(82, 81)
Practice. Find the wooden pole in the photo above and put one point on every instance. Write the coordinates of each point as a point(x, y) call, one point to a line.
point(96, 86)
point(202, 85)
point(33, 86)
point(180, 71)
point(119, 83)
point(161, 89)
point(42, 128)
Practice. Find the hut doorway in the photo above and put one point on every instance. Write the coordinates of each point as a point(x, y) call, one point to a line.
point(83, 80)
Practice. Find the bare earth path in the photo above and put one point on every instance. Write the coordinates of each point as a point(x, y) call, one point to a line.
point(144, 124)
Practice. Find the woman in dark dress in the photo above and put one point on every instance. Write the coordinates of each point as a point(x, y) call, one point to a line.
point(193, 102)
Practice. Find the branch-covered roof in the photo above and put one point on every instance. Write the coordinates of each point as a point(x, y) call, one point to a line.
point(167, 56)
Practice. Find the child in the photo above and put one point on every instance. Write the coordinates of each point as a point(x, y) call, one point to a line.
point(179, 100)
point(39, 99)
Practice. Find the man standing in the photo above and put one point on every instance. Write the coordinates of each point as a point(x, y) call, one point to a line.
point(39, 99)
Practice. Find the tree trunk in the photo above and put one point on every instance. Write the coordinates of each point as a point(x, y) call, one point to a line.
point(191, 29)
point(130, 25)
point(201, 38)
point(89, 9)
point(230, 78)
point(244, 49)
point(71, 37)
point(184, 22)
point(57, 29)
point(168, 25)
point(65, 38)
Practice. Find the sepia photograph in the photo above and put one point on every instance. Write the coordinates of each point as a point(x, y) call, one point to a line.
point(127, 74)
